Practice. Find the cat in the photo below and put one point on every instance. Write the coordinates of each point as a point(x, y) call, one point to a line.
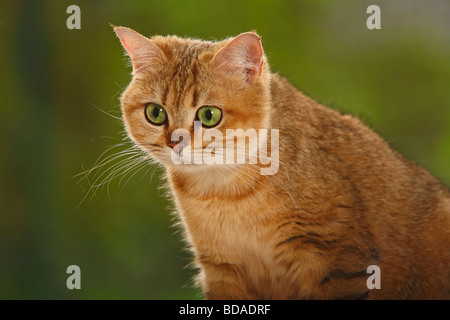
point(342, 200)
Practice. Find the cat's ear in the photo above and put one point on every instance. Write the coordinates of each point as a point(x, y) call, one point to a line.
point(142, 51)
point(243, 56)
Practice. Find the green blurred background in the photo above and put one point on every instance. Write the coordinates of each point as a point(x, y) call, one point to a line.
point(396, 79)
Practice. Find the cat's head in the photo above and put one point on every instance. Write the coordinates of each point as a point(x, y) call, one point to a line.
point(176, 81)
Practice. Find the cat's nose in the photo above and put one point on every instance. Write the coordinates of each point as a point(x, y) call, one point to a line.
point(176, 146)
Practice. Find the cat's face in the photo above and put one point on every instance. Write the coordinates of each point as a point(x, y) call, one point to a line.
point(223, 85)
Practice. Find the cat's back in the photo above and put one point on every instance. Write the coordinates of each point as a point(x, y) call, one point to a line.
point(344, 144)
point(402, 210)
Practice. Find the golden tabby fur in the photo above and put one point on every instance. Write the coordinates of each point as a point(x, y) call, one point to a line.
point(341, 201)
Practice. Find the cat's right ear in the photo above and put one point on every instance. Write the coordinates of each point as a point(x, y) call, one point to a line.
point(243, 56)
point(142, 51)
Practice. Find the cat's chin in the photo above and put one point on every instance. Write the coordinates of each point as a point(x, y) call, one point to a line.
point(193, 168)
point(197, 168)
point(175, 163)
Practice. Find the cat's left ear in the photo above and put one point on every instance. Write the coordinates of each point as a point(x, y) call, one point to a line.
point(142, 51)
point(243, 56)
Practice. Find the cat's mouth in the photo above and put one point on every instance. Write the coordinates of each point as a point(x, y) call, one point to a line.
point(180, 156)
point(186, 158)
point(185, 155)
point(175, 154)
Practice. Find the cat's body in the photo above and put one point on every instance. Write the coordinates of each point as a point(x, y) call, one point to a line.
point(341, 201)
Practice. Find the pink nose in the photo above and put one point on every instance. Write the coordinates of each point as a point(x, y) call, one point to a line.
point(177, 147)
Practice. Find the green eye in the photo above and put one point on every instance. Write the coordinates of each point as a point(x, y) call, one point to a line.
point(155, 114)
point(209, 116)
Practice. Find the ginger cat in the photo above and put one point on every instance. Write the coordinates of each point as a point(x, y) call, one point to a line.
point(341, 200)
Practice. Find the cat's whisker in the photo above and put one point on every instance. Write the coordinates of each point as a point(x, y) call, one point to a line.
point(115, 165)
point(254, 165)
point(118, 169)
point(105, 161)
point(117, 172)
point(255, 168)
point(219, 152)
point(154, 167)
point(98, 159)
point(117, 92)
point(151, 166)
point(94, 186)
point(136, 169)
point(107, 113)
point(131, 166)
point(91, 184)
point(245, 153)
point(135, 163)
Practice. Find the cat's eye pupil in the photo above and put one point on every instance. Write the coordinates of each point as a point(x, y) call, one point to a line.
point(208, 114)
point(156, 112)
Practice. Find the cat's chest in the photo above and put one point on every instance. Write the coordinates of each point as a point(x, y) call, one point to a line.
point(244, 234)
point(231, 231)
